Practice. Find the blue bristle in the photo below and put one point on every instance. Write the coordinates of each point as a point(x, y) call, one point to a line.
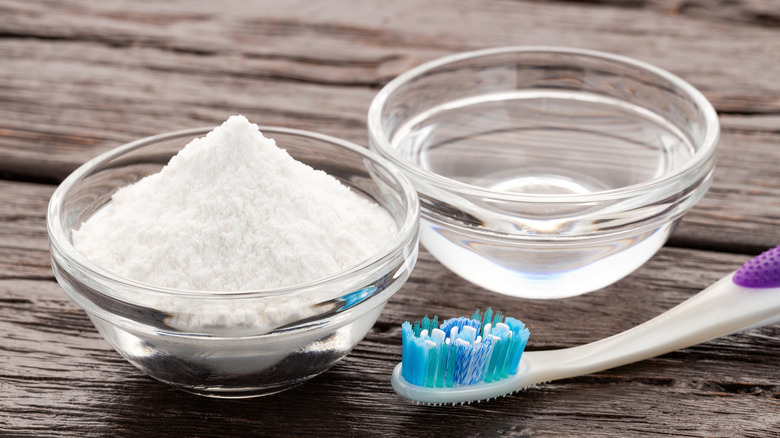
point(441, 366)
point(457, 353)
point(426, 323)
point(486, 366)
point(495, 342)
point(501, 354)
point(515, 325)
point(462, 359)
point(488, 318)
point(470, 361)
point(410, 376)
point(420, 363)
point(431, 360)
point(498, 318)
point(522, 335)
point(510, 367)
point(459, 323)
point(406, 338)
point(450, 380)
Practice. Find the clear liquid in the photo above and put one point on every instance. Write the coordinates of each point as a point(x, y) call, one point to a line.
point(543, 142)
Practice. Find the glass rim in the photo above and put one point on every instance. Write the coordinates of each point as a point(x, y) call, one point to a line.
point(61, 246)
point(691, 171)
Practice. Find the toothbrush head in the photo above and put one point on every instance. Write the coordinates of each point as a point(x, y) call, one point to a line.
point(460, 351)
point(762, 271)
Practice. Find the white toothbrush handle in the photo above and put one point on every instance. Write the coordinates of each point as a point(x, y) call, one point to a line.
point(748, 298)
point(721, 309)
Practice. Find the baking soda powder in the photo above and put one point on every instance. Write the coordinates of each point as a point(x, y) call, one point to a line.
point(233, 212)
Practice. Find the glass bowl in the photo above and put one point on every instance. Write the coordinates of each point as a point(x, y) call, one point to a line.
point(546, 172)
point(234, 344)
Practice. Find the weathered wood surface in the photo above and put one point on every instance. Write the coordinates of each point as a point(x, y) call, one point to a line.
point(81, 77)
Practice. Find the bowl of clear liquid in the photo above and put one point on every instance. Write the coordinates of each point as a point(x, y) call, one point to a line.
point(546, 172)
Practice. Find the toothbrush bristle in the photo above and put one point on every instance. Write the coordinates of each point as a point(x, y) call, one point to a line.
point(462, 351)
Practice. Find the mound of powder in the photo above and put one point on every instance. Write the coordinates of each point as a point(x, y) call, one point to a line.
point(233, 212)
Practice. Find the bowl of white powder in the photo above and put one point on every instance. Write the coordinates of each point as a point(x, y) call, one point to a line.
point(234, 262)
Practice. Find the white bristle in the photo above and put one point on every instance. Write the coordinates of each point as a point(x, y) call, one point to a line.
point(469, 332)
point(438, 335)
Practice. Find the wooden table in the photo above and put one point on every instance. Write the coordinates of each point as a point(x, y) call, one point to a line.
point(80, 77)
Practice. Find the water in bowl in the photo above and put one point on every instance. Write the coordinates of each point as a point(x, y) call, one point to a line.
point(543, 142)
point(546, 142)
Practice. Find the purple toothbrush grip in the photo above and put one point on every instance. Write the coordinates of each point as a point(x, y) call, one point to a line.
point(762, 271)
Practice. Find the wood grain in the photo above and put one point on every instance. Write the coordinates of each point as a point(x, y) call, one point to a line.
point(78, 78)
point(56, 365)
point(131, 72)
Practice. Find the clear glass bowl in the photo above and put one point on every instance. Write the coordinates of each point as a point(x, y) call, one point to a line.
point(546, 172)
point(211, 343)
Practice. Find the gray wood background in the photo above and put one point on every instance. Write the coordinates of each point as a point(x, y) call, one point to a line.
point(80, 77)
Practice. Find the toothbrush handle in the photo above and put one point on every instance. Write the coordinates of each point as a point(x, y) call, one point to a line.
point(721, 309)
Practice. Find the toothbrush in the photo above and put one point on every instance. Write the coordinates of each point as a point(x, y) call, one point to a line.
point(745, 299)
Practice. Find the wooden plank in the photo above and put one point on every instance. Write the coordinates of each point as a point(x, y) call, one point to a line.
point(59, 377)
point(123, 74)
point(23, 236)
point(741, 211)
point(131, 70)
point(56, 366)
point(78, 78)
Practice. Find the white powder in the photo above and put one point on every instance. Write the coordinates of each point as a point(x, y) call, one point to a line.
point(233, 212)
